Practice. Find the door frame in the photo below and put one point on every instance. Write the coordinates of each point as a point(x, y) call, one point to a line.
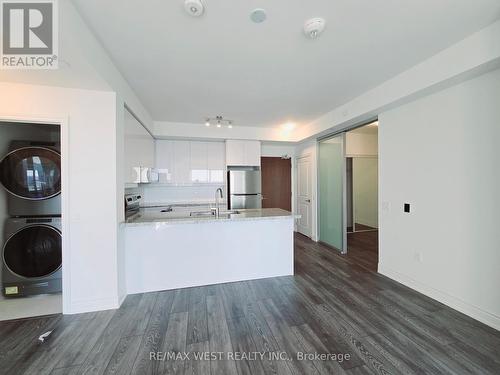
point(311, 185)
point(335, 133)
point(63, 123)
point(291, 177)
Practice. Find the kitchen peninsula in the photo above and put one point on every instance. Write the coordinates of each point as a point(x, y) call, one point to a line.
point(168, 250)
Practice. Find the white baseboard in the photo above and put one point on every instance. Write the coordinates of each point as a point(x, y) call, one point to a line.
point(121, 299)
point(163, 287)
point(456, 303)
point(83, 306)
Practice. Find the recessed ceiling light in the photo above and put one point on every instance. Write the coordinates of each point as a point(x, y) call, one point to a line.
point(314, 27)
point(194, 8)
point(258, 15)
point(289, 126)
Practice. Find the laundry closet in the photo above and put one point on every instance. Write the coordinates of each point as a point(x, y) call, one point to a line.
point(30, 220)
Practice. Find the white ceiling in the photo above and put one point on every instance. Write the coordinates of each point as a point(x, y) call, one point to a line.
point(185, 68)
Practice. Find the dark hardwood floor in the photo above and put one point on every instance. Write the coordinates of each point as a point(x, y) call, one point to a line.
point(332, 305)
point(362, 248)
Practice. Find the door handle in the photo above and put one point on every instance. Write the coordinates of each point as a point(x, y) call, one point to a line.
point(308, 200)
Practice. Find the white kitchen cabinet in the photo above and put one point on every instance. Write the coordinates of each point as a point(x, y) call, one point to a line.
point(242, 153)
point(182, 162)
point(139, 148)
point(186, 163)
point(252, 153)
point(165, 160)
point(235, 152)
point(199, 162)
point(216, 157)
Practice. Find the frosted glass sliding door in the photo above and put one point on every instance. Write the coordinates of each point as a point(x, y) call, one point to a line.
point(332, 229)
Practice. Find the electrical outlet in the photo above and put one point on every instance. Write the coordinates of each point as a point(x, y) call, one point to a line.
point(418, 256)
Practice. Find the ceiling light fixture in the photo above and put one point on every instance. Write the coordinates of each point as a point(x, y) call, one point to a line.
point(194, 8)
point(218, 121)
point(314, 27)
point(289, 126)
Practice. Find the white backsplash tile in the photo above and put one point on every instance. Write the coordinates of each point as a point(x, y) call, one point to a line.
point(153, 195)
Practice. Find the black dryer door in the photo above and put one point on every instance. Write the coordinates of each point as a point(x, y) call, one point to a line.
point(34, 251)
point(32, 173)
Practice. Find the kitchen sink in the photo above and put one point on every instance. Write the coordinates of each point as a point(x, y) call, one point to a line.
point(212, 213)
point(229, 212)
point(202, 213)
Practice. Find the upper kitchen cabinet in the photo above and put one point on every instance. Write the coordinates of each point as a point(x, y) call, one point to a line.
point(199, 162)
point(182, 162)
point(242, 153)
point(139, 148)
point(216, 162)
point(190, 162)
point(165, 160)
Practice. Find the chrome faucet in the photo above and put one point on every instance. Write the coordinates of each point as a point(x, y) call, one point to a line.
point(218, 194)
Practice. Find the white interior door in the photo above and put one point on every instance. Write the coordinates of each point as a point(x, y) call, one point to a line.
point(304, 196)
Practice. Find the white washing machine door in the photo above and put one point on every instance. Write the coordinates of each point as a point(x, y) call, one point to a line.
point(32, 173)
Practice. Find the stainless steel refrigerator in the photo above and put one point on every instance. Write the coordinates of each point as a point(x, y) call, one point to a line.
point(244, 189)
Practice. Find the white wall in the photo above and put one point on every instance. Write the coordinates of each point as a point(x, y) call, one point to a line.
point(359, 144)
point(119, 198)
point(440, 153)
point(365, 190)
point(472, 56)
point(90, 192)
point(84, 64)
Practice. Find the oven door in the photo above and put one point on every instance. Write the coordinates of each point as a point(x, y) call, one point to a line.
point(32, 173)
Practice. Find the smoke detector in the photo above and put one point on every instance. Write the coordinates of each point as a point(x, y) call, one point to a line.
point(258, 15)
point(194, 8)
point(314, 27)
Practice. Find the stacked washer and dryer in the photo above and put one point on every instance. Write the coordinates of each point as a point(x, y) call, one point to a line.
point(32, 253)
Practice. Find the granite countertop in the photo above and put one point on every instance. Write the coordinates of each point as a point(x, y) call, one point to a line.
point(153, 215)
